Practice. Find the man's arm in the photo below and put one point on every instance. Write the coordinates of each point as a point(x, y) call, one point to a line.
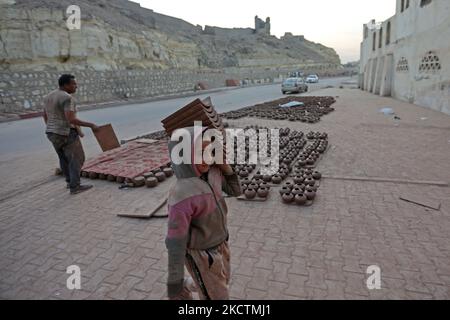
point(44, 115)
point(72, 119)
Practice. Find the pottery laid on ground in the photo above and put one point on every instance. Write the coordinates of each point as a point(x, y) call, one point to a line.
point(168, 172)
point(160, 176)
point(277, 179)
point(250, 193)
point(300, 199)
point(151, 182)
point(263, 192)
point(310, 194)
point(288, 197)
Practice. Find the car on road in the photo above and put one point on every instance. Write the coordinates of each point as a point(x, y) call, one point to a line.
point(312, 78)
point(294, 85)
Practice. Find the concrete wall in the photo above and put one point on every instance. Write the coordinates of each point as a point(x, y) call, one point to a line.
point(416, 34)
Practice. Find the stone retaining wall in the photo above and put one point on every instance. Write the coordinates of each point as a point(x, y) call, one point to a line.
point(23, 91)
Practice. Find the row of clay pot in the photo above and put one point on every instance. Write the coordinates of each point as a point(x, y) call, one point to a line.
point(153, 179)
point(317, 135)
point(253, 193)
point(313, 109)
point(254, 187)
point(300, 193)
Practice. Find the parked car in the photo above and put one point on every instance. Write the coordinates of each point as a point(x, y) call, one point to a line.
point(294, 85)
point(312, 78)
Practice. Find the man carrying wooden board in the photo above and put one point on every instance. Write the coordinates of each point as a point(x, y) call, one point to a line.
point(64, 132)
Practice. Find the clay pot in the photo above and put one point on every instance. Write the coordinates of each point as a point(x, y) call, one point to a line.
point(311, 188)
point(246, 181)
point(317, 175)
point(151, 182)
point(310, 182)
point(263, 192)
point(102, 176)
point(149, 175)
point(285, 190)
point(310, 194)
point(139, 182)
point(258, 175)
point(250, 193)
point(277, 179)
point(297, 191)
point(253, 186)
point(160, 176)
point(300, 199)
point(299, 179)
point(264, 185)
point(111, 178)
point(93, 175)
point(243, 174)
point(257, 181)
point(120, 179)
point(288, 197)
point(267, 178)
point(288, 185)
point(168, 172)
point(300, 186)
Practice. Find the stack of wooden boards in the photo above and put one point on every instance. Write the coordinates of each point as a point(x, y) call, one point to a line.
point(197, 110)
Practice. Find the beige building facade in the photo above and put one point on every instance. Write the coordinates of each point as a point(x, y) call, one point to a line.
point(408, 55)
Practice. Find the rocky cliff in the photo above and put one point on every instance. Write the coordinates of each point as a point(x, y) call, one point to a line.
point(121, 35)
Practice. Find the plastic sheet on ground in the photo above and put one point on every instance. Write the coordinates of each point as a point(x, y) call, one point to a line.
point(292, 104)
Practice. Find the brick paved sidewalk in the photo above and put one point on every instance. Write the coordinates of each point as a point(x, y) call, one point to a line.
point(278, 252)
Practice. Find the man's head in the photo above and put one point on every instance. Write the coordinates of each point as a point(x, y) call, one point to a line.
point(67, 83)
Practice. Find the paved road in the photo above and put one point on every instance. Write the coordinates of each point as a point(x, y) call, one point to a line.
point(26, 156)
point(26, 136)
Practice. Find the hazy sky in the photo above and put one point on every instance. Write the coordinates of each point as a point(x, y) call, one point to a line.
point(337, 24)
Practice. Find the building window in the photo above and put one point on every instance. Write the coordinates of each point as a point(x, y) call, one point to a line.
point(380, 40)
point(403, 6)
point(407, 4)
point(388, 33)
point(402, 65)
point(366, 32)
point(430, 63)
point(423, 3)
point(374, 41)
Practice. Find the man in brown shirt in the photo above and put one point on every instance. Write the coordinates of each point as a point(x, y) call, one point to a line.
point(63, 131)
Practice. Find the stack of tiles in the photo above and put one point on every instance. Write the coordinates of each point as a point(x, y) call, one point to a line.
point(201, 111)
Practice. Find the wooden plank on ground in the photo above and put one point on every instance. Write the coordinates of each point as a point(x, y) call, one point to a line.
point(151, 213)
point(427, 203)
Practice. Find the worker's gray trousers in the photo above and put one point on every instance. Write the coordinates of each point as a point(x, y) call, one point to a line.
point(71, 156)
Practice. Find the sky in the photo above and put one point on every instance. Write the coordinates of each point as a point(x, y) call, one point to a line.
point(337, 24)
